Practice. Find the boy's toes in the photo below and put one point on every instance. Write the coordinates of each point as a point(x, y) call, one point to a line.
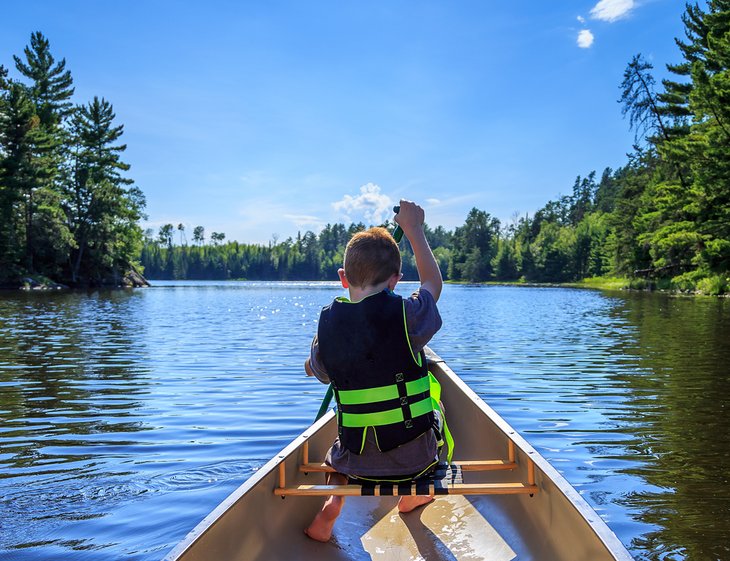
point(407, 504)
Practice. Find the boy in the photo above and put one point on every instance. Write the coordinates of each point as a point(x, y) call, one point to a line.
point(369, 348)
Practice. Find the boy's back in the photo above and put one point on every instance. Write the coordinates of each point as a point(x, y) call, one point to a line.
point(386, 415)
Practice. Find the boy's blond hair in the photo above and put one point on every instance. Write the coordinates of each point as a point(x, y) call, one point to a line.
point(371, 257)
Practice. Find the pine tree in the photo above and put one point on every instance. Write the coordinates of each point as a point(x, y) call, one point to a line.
point(50, 89)
point(102, 206)
point(32, 224)
point(51, 84)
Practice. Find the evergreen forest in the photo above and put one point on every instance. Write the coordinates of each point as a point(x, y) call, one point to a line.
point(661, 220)
point(67, 211)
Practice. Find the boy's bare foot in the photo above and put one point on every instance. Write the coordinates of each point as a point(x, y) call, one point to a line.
point(407, 504)
point(321, 527)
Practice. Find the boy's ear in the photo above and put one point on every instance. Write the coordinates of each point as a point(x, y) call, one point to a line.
point(343, 278)
point(393, 280)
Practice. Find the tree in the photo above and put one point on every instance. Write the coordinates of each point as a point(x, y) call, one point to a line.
point(639, 100)
point(51, 87)
point(474, 247)
point(641, 104)
point(553, 250)
point(29, 204)
point(199, 235)
point(584, 192)
point(16, 146)
point(164, 235)
point(607, 191)
point(49, 91)
point(102, 206)
point(505, 262)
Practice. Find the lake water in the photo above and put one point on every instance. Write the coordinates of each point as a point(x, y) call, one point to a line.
point(127, 416)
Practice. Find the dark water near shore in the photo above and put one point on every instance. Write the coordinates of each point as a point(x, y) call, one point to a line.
point(126, 416)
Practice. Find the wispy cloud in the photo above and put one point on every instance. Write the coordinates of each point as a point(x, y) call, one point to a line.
point(612, 10)
point(302, 220)
point(371, 204)
point(585, 39)
point(433, 202)
point(581, 19)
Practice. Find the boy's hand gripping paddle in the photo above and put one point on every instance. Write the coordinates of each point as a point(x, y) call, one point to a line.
point(398, 232)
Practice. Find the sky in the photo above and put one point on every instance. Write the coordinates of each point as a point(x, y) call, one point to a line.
point(263, 119)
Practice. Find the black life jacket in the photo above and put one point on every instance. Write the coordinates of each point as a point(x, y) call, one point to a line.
point(379, 383)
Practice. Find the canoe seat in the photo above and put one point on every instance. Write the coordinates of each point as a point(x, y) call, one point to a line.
point(446, 479)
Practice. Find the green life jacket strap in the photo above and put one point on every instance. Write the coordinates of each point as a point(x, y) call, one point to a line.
point(382, 393)
point(436, 404)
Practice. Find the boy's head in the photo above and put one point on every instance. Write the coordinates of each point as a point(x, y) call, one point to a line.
point(371, 257)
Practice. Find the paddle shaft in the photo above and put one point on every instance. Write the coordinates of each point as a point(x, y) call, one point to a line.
point(325, 402)
point(398, 232)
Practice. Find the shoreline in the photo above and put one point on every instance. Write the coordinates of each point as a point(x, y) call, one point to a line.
point(135, 280)
point(35, 282)
point(599, 283)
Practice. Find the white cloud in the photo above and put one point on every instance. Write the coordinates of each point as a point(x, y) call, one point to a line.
point(581, 19)
point(611, 10)
point(302, 220)
point(433, 202)
point(372, 205)
point(585, 39)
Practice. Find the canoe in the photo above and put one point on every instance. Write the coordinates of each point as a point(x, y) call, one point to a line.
point(498, 500)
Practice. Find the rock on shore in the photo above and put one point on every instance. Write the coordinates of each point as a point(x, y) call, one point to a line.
point(40, 283)
point(134, 280)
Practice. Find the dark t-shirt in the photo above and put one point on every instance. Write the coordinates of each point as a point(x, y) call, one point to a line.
point(422, 322)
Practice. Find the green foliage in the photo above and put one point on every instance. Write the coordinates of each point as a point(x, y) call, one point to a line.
point(505, 262)
point(102, 210)
point(553, 252)
point(714, 285)
point(66, 209)
point(474, 245)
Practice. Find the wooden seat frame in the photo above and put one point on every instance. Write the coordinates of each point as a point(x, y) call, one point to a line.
point(449, 484)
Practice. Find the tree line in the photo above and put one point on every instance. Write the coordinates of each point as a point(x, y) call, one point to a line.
point(661, 219)
point(67, 211)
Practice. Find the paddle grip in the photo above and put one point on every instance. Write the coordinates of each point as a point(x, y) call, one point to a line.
point(398, 232)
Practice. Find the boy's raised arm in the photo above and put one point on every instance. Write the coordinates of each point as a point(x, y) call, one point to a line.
point(411, 218)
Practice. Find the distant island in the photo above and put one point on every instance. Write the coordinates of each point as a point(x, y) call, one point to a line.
point(660, 221)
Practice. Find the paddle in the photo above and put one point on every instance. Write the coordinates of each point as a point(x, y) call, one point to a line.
point(397, 236)
point(325, 403)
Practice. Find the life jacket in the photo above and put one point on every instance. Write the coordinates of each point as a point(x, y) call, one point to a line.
point(379, 383)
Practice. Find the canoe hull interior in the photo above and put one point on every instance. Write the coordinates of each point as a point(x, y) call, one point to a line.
point(555, 524)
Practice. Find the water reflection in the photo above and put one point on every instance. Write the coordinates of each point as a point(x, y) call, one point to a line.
point(70, 384)
point(677, 417)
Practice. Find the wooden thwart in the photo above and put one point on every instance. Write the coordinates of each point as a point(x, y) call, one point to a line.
point(446, 479)
point(467, 465)
point(383, 489)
